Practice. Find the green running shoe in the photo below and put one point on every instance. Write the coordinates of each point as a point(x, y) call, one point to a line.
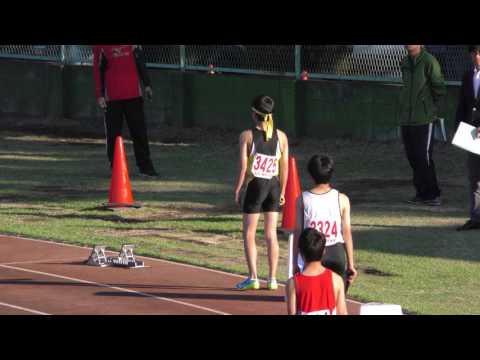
point(249, 284)
point(272, 284)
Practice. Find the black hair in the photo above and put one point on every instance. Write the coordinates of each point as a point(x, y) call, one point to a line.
point(321, 169)
point(263, 104)
point(312, 244)
point(473, 48)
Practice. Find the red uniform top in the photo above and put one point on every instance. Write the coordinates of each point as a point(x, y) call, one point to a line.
point(115, 72)
point(315, 294)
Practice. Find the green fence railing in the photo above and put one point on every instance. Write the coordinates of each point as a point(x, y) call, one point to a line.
point(340, 62)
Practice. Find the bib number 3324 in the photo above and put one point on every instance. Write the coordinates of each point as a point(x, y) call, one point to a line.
point(264, 166)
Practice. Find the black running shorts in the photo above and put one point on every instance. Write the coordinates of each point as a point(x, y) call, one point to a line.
point(335, 260)
point(262, 195)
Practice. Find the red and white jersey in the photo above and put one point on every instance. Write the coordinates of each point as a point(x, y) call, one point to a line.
point(322, 212)
point(315, 295)
point(121, 76)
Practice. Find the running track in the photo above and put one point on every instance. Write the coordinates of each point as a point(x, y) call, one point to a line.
point(45, 278)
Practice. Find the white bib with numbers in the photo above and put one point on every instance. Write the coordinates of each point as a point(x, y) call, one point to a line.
point(322, 212)
point(264, 166)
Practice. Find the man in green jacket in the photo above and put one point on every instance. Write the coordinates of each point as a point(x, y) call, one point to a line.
point(423, 87)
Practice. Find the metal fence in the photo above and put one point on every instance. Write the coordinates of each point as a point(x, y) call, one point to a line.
point(347, 62)
point(34, 52)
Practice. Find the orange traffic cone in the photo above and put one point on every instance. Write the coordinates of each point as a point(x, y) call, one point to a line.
point(120, 189)
point(292, 194)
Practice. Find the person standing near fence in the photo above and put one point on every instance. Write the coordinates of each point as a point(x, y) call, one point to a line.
point(423, 88)
point(263, 171)
point(468, 111)
point(118, 72)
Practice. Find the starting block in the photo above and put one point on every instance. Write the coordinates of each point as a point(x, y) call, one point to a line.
point(126, 258)
point(98, 257)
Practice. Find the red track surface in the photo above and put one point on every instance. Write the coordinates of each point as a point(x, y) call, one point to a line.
point(39, 277)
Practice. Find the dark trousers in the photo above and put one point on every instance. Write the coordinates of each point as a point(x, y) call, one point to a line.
point(335, 259)
point(418, 141)
point(132, 111)
point(473, 164)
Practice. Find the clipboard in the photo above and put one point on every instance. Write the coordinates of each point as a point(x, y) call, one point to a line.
point(466, 138)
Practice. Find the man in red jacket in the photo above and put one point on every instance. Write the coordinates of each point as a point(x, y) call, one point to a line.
point(118, 70)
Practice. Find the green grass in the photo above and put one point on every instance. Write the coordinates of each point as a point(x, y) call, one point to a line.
point(52, 188)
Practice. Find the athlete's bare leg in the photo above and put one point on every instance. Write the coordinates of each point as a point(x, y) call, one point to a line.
point(250, 222)
point(271, 219)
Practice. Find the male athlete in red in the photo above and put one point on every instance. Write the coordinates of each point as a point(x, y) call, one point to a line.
point(317, 290)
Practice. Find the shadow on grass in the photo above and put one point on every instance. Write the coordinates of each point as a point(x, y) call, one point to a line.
point(213, 219)
point(193, 232)
point(54, 194)
point(120, 219)
point(108, 218)
point(429, 241)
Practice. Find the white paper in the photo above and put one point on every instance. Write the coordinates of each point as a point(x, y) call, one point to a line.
point(466, 138)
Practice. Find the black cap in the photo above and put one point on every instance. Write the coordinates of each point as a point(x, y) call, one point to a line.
point(263, 104)
point(473, 48)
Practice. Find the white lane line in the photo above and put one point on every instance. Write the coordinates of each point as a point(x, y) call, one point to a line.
point(23, 309)
point(46, 261)
point(115, 288)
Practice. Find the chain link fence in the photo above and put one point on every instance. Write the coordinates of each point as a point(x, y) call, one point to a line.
point(454, 60)
point(254, 59)
point(77, 54)
point(349, 62)
point(166, 56)
point(354, 61)
point(32, 52)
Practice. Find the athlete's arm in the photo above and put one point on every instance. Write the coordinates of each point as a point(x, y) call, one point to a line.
point(298, 232)
point(243, 161)
point(142, 70)
point(339, 289)
point(291, 297)
point(347, 236)
point(99, 76)
point(283, 164)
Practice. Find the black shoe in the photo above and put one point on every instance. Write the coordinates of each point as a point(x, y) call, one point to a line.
point(469, 225)
point(149, 173)
point(433, 202)
point(417, 200)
